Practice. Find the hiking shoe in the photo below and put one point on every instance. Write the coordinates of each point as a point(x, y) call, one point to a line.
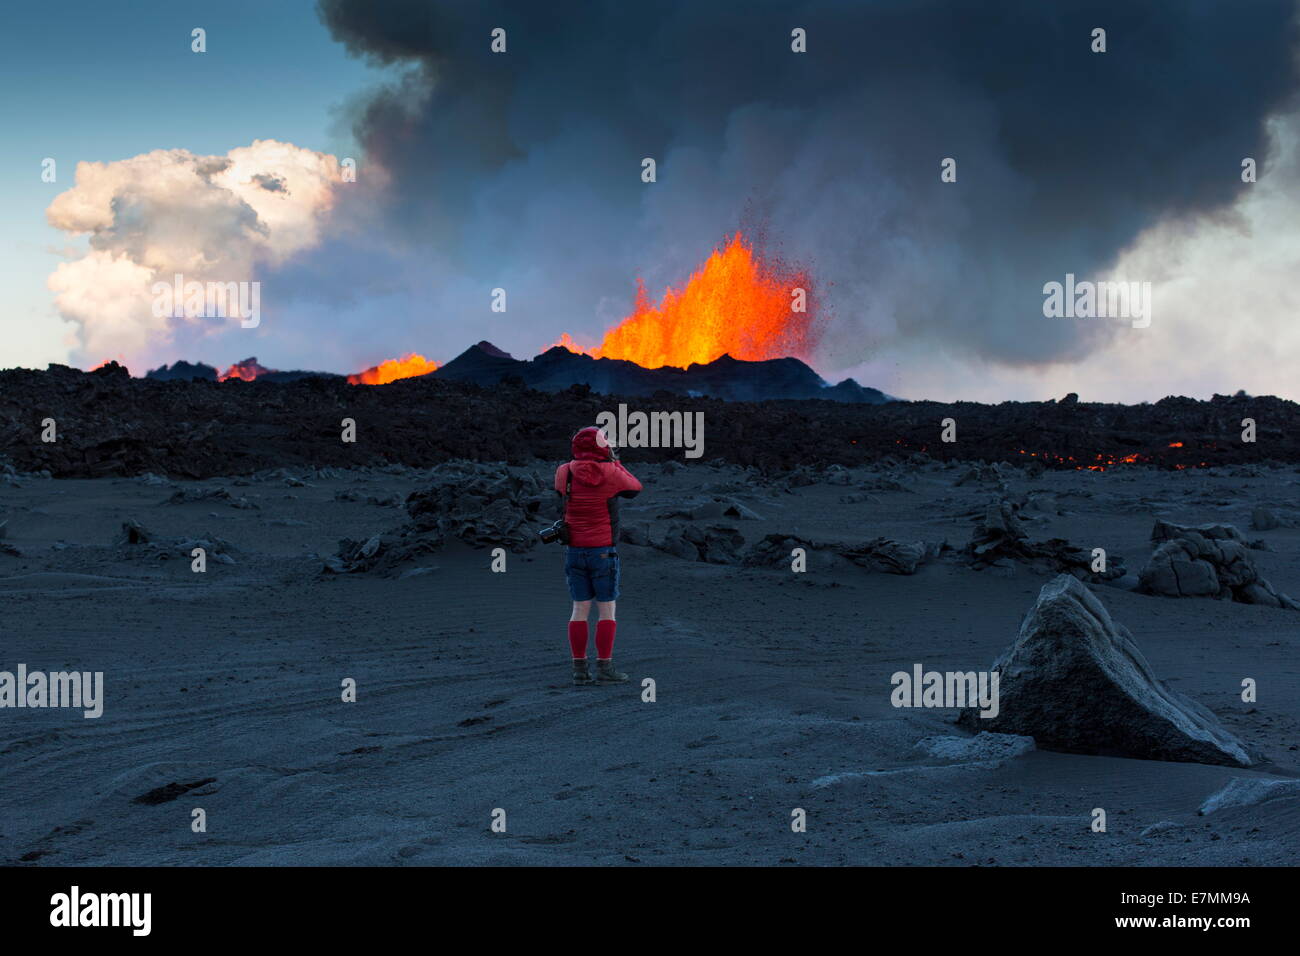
point(605, 673)
point(581, 675)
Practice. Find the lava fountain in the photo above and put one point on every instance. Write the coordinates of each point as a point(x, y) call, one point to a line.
point(247, 370)
point(736, 304)
point(390, 370)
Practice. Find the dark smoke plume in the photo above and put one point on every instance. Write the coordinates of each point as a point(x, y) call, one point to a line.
point(521, 169)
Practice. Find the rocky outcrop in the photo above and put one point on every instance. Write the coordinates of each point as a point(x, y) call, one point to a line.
point(1000, 536)
point(1245, 792)
point(1075, 681)
point(1207, 561)
point(879, 554)
point(1267, 519)
point(135, 542)
point(890, 556)
point(481, 505)
point(712, 544)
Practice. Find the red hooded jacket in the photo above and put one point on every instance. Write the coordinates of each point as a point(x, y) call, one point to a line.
point(598, 483)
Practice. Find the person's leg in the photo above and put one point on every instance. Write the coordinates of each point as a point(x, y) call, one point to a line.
point(606, 592)
point(580, 591)
point(578, 629)
point(605, 629)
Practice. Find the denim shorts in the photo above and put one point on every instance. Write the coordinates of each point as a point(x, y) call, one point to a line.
point(592, 573)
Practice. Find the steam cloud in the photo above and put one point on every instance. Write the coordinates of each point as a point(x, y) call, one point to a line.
point(210, 218)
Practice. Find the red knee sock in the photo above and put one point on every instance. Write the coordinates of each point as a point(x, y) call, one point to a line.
point(578, 639)
point(605, 639)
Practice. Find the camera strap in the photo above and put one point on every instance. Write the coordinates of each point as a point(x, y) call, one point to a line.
point(568, 488)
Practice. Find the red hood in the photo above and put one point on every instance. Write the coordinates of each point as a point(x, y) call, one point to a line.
point(589, 445)
point(589, 450)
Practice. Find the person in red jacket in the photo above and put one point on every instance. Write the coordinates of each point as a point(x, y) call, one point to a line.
point(591, 485)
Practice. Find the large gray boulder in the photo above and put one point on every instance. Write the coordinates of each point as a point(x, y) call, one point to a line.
point(1075, 681)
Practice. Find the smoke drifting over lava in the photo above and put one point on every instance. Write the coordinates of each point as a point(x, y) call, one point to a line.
point(521, 169)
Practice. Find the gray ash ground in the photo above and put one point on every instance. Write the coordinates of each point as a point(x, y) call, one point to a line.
point(773, 688)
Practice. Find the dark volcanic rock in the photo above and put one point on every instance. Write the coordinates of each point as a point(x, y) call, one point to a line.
point(133, 533)
point(774, 551)
point(557, 369)
point(482, 364)
point(714, 544)
point(878, 554)
point(1075, 681)
point(890, 556)
point(1000, 535)
point(191, 495)
point(482, 505)
point(135, 542)
point(183, 371)
point(381, 552)
point(112, 424)
point(1207, 561)
point(1266, 519)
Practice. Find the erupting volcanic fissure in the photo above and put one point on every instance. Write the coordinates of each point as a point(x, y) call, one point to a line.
point(736, 304)
point(390, 370)
point(247, 370)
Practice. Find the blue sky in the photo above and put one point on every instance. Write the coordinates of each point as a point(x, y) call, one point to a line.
point(89, 80)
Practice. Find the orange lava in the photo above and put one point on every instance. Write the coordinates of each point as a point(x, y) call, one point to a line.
point(1107, 461)
point(735, 304)
point(247, 370)
point(390, 370)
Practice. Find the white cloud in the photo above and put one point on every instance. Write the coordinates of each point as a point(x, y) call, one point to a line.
point(210, 218)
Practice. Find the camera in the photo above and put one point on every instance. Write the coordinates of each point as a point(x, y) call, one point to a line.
point(556, 532)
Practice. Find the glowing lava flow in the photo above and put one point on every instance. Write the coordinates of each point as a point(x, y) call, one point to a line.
point(1102, 462)
point(735, 304)
point(247, 370)
point(390, 370)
